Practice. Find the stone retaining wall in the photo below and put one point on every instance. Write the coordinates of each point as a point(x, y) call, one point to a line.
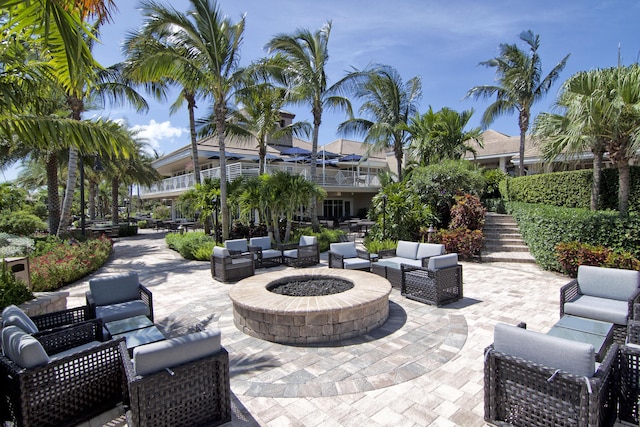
point(45, 302)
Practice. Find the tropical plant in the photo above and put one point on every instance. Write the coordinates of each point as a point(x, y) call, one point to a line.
point(519, 84)
point(387, 106)
point(12, 290)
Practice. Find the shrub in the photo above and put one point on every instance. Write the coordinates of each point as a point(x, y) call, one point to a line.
point(495, 205)
point(375, 246)
point(67, 262)
point(12, 290)
point(492, 179)
point(188, 244)
point(468, 212)
point(325, 237)
point(12, 246)
point(573, 254)
point(466, 243)
point(21, 223)
point(161, 212)
point(203, 253)
point(143, 223)
point(126, 230)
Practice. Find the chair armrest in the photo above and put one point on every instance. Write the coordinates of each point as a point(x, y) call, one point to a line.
point(91, 305)
point(633, 301)
point(336, 260)
point(363, 254)
point(72, 336)
point(147, 297)
point(287, 246)
point(384, 253)
point(633, 332)
point(636, 311)
point(567, 293)
point(61, 318)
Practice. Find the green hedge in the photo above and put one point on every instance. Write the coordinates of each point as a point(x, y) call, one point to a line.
point(543, 227)
point(571, 189)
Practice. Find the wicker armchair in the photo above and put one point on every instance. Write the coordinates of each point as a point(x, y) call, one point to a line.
point(230, 268)
point(586, 297)
point(629, 384)
point(438, 284)
point(74, 379)
point(265, 255)
point(347, 256)
point(304, 253)
point(183, 381)
point(118, 297)
point(523, 392)
point(13, 315)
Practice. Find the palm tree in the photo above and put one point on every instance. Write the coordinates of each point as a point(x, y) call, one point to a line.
point(300, 63)
point(388, 104)
point(519, 85)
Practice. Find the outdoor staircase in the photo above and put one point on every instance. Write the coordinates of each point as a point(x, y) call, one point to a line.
point(502, 240)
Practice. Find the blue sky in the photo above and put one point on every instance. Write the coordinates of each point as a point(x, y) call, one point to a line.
point(441, 42)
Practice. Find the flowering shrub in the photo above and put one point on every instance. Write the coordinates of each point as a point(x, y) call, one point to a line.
point(468, 212)
point(67, 262)
point(573, 254)
point(466, 243)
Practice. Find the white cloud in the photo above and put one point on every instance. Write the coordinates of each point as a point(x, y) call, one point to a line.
point(161, 137)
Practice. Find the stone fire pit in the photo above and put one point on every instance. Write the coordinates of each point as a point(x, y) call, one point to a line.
point(307, 320)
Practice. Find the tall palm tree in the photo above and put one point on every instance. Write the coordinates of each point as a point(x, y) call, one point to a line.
point(300, 63)
point(213, 43)
point(388, 104)
point(519, 85)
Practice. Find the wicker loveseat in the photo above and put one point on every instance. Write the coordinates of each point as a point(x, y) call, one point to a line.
point(59, 378)
point(606, 294)
point(183, 381)
point(533, 379)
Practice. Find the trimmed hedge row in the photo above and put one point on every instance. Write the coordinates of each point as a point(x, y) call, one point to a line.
point(571, 189)
point(543, 227)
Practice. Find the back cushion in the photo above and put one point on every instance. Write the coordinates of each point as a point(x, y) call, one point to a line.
point(407, 249)
point(159, 355)
point(13, 315)
point(612, 283)
point(347, 249)
point(220, 251)
point(23, 349)
point(236, 245)
point(308, 240)
point(262, 242)
point(553, 352)
point(429, 250)
point(115, 289)
point(442, 261)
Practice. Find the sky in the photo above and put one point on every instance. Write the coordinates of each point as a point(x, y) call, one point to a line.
point(441, 42)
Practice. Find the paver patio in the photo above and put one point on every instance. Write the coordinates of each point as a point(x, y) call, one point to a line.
point(423, 367)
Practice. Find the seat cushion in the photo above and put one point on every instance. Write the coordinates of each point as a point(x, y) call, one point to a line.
point(394, 262)
point(23, 349)
point(610, 283)
point(271, 253)
point(154, 357)
point(407, 249)
point(442, 261)
point(74, 350)
point(605, 309)
point(263, 242)
point(290, 253)
point(109, 313)
point(13, 315)
point(115, 288)
point(356, 263)
point(346, 249)
point(553, 352)
point(429, 249)
point(238, 245)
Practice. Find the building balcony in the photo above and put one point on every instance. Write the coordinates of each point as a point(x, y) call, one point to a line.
point(328, 177)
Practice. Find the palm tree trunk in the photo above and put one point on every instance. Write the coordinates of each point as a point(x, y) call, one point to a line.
point(194, 142)
point(53, 197)
point(68, 194)
point(115, 185)
point(597, 178)
point(220, 115)
point(524, 126)
point(623, 186)
point(315, 225)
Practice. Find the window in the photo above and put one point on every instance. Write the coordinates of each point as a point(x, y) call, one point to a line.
point(336, 208)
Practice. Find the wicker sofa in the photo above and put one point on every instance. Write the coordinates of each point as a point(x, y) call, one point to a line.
point(59, 378)
point(533, 379)
point(183, 381)
point(606, 294)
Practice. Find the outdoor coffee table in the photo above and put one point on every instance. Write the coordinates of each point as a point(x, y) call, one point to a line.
point(598, 334)
point(389, 270)
point(136, 331)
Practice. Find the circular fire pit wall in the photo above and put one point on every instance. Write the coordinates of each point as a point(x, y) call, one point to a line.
point(310, 319)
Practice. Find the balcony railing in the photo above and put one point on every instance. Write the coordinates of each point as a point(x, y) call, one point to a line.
point(326, 177)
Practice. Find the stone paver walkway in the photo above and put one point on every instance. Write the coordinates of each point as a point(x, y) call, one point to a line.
point(423, 367)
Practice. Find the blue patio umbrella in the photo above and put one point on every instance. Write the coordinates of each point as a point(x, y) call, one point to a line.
point(295, 151)
point(227, 155)
point(351, 158)
point(296, 159)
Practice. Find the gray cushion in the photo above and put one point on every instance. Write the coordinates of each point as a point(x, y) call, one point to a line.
point(394, 262)
point(442, 261)
point(605, 309)
point(346, 249)
point(553, 352)
point(115, 288)
point(109, 313)
point(429, 249)
point(407, 249)
point(308, 240)
point(237, 245)
point(74, 350)
point(356, 263)
point(169, 353)
point(611, 283)
point(290, 253)
point(263, 242)
point(23, 349)
point(220, 252)
point(271, 253)
point(13, 315)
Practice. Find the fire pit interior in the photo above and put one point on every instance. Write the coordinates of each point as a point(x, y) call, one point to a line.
point(259, 312)
point(311, 287)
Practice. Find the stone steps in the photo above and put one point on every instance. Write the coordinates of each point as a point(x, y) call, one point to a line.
point(502, 241)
